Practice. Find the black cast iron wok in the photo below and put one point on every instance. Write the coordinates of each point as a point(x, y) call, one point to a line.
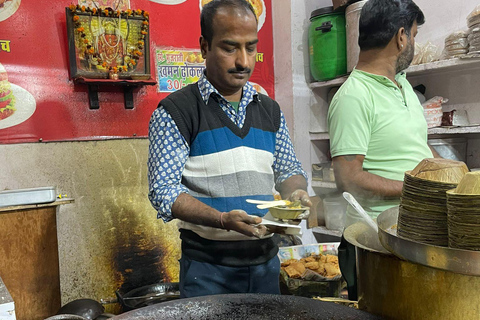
point(246, 306)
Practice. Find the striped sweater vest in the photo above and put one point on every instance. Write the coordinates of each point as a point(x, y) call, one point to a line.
point(227, 164)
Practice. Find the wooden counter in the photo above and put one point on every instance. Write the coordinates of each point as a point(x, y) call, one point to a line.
point(29, 264)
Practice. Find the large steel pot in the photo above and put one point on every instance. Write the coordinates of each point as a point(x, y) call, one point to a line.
point(246, 306)
point(399, 289)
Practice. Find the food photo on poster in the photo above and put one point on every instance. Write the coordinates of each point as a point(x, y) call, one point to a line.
point(8, 8)
point(16, 103)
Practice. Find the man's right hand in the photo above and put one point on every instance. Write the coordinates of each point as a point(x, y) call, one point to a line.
point(189, 209)
point(240, 221)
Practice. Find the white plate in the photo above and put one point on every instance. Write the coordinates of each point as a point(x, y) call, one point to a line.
point(25, 105)
point(261, 19)
point(291, 229)
point(9, 9)
point(169, 2)
point(259, 88)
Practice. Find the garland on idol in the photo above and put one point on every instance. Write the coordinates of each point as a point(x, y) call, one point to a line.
point(91, 50)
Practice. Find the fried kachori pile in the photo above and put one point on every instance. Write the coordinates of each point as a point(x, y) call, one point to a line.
point(325, 265)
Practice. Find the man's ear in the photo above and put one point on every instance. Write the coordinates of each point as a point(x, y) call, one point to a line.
point(401, 38)
point(203, 47)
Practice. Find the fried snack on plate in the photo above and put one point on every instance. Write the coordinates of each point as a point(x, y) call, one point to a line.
point(332, 270)
point(309, 259)
point(312, 265)
point(293, 272)
point(331, 258)
point(288, 262)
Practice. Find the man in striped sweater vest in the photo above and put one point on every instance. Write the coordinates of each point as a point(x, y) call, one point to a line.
point(213, 144)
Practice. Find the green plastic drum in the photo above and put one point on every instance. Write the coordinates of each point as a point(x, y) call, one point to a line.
point(327, 44)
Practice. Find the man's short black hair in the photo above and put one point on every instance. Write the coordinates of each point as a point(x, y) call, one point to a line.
point(211, 8)
point(380, 21)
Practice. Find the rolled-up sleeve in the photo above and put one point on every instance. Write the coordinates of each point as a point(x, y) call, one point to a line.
point(285, 163)
point(167, 155)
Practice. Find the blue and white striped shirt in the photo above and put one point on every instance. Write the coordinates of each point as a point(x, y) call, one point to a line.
point(168, 150)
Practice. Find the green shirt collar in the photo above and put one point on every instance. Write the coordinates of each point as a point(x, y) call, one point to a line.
point(399, 77)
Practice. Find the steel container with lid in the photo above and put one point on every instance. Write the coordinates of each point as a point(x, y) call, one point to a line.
point(327, 44)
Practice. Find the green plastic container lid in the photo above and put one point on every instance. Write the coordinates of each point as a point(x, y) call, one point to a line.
point(321, 12)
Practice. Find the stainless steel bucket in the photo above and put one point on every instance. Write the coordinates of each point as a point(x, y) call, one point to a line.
point(399, 289)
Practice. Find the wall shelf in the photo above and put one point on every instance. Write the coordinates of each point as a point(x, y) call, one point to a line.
point(437, 67)
point(319, 136)
point(330, 83)
point(439, 131)
point(324, 184)
point(443, 66)
point(323, 230)
point(127, 84)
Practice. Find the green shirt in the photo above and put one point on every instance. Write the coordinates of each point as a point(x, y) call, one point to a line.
point(371, 116)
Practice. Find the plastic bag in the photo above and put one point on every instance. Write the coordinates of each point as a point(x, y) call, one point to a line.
point(434, 102)
point(447, 118)
point(432, 110)
point(425, 54)
point(456, 36)
point(460, 44)
point(456, 44)
point(474, 17)
point(457, 47)
point(456, 51)
point(474, 38)
point(417, 58)
point(430, 53)
point(455, 118)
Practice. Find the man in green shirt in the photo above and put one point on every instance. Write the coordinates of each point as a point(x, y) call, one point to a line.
point(376, 123)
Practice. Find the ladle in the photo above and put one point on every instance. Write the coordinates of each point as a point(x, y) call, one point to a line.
point(354, 203)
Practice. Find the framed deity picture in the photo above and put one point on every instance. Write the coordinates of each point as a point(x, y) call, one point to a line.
point(104, 42)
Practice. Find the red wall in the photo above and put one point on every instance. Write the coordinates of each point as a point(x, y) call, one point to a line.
point(38, 64)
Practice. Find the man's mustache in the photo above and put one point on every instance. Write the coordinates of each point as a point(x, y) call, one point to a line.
point(237, 70)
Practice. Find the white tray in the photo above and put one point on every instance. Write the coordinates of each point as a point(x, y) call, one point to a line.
point(27, 196)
